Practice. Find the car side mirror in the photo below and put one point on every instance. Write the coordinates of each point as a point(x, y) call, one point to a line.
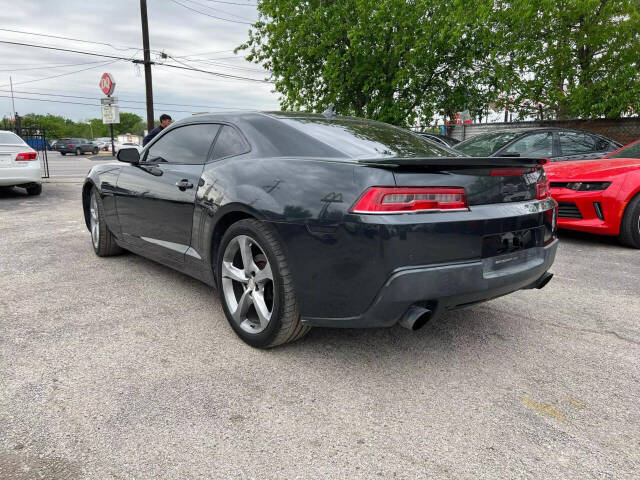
point(129, 155)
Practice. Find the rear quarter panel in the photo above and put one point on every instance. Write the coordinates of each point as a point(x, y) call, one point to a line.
point(305, 199)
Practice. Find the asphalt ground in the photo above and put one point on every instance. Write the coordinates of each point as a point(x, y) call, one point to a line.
point(119, 368)
point(72, 167)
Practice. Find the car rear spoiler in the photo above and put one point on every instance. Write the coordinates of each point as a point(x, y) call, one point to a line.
point(455, 162)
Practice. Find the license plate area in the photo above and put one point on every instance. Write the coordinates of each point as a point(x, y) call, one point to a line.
point(512, 242)
point(5, 159)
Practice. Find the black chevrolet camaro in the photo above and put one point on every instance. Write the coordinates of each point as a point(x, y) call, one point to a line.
point(304, 220)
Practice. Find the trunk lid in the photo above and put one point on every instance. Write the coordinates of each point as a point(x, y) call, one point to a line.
point(485, 180)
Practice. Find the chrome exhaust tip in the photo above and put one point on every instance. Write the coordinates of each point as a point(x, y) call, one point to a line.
point(415, 318)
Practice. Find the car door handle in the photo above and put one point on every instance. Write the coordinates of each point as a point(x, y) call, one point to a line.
point(184, 184)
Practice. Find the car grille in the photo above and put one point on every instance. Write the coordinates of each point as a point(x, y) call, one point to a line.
point(568, 210)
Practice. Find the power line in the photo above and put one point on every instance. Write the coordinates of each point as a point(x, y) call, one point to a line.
point(88, 104)
point(121, 47)
point(208, 15)
point(204, 53)
point(24, 92)
point(184, 66)
point(220, 64)
point(218, 74)
point(47, 47)
point(55, 65)
point(103, 64)
point(234, 3)
point(217, 10)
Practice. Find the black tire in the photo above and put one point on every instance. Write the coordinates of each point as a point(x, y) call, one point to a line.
point(78, 152)
point(106, 245)
point(630, 227)
point(284, 325)
point(63, 153)
point(34, 190)
point(95, 151)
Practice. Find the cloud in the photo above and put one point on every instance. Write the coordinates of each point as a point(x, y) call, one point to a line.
point(173, 29)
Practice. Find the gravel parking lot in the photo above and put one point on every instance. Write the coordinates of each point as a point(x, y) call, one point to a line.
point(121, 368)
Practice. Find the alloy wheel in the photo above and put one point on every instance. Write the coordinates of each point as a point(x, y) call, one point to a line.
point(94, 221)
point(247, 284)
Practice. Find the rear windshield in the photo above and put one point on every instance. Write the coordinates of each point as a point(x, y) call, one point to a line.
point(631, 151)
point(487, 144)
point(8, 138)
point(366, 139)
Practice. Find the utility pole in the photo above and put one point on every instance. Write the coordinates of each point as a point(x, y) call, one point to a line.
point(12, 100)
point(147, 63)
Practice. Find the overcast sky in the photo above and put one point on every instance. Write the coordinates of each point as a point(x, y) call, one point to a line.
point(198, 41)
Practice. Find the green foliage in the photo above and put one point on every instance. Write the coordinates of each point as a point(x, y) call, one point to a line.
point(56, 126)
point(384, 59)
point(402, 60)
point(578, 58)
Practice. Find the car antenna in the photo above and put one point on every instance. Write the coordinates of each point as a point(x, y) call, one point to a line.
point(330, 112)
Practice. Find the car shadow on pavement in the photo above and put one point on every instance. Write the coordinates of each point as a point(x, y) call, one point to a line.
point(12, 192)
point(472, 326)
point(585, 237)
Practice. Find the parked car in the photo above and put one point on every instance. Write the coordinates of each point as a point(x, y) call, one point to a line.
point(78, 146)
point(600, 196)
point(302, 220)
point(104, 143)
point(128, 145)
point(440, 139)
point(556, 144)
point(19, 164)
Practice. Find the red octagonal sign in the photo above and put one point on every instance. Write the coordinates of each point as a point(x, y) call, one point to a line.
point(107, 84)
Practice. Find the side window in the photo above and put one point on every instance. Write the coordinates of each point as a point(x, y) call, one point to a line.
point(602, 145)
point(229, 143)
point(576, 143)
point(185, 145)
point(536, 145)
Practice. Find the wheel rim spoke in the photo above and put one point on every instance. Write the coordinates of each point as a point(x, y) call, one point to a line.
point(233, 273)
point(264, 275)
point(243, 306)
point(247, 256)
point(264, 315)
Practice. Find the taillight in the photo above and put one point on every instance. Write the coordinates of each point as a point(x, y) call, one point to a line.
point(543, 187)
point(508, 172)
point(411, 199)
point(71, 145)
point(26, 156)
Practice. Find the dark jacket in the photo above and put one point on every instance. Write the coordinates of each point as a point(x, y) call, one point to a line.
point(151, 135)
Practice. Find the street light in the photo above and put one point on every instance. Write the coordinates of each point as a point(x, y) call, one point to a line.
point(91, 127)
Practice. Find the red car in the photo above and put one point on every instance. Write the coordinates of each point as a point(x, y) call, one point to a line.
point(600, 196)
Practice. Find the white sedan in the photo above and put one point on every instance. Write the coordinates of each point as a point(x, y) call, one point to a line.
point(19, 164)
point(128, 145)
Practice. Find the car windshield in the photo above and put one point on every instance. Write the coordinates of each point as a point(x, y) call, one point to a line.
point(8, 138)
point(360, 138)
point(487, 144)
point(630, 151)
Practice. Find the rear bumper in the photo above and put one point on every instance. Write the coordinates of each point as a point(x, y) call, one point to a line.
point(445, 287)
point(29, 173)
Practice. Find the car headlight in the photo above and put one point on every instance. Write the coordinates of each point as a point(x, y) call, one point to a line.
point(588, 186)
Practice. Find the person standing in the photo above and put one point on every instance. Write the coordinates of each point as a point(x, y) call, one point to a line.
point(165, 121)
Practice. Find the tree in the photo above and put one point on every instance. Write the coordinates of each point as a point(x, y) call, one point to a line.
point(576, 58)
point(391, 60)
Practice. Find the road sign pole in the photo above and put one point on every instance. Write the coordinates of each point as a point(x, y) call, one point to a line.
point(113, 150)
point(13, 103)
